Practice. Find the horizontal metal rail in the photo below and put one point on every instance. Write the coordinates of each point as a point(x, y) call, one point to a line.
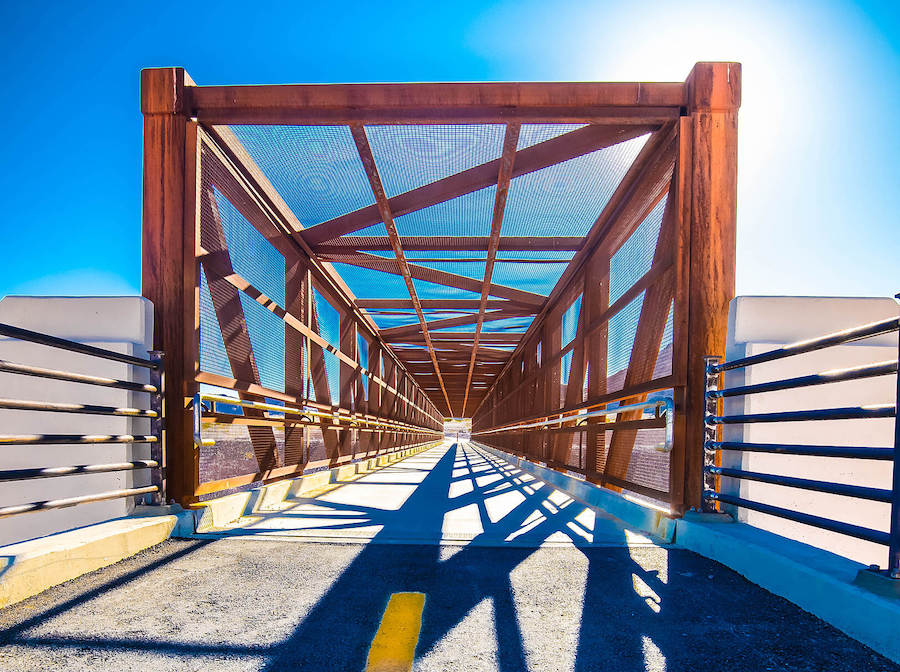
point(50, 439)
point(90, 409)
point(25, 370)
point(309, 415)
point(875, 536)
point(834, 376)
point(312, 413)
point(74, 501)
point(656, 404)
point(51, 472)
point(848, 413)
point(859, 452)
point(153, 388)
point(72, 346)
point(857, 491)
point(712, 471)
point(811, 344)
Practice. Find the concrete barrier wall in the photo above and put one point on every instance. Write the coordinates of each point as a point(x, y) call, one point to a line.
point(121, 324)
point(759, 324)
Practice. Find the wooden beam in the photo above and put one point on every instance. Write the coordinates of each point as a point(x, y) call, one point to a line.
point(444, 305)
point(248, 189)
point(441, 338)
point(232, 322)
point(368, 161)
point(647, 340)
point(714, 97)
point(435, 103)
point(463, 320)
point(595, 304)
point(643, 185)
point(550, 152)
point(435, 276)
point(347, 244)
point(167, 253)
point(313, 336)
point(507, 163)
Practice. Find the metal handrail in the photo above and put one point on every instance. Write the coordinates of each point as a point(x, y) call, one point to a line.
point(712, 471)
point(154, 414)
point(307, 414)
point(64, 344)
point(812, 344)
point(669, 405)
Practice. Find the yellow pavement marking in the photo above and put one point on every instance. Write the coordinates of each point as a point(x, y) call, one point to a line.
point(395, 642)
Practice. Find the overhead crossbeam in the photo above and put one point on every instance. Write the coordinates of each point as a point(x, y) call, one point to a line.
point(438, 277)
point(550, 152)
point(346, 244)
point(507, 162)
point(368, 161)
point(413, 329)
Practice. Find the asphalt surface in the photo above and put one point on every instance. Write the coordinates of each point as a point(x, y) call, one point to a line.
point(266, 603)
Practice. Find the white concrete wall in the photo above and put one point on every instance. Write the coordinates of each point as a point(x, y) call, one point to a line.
point(121, 324)
point(759, 324)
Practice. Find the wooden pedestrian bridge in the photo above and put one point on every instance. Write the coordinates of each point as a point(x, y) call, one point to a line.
point(445, 376)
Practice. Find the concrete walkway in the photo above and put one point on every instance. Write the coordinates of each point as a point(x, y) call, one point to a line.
point(586, 602)
point(451, 494)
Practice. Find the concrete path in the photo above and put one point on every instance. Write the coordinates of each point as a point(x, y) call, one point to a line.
point(587, 603)
point(451, 494)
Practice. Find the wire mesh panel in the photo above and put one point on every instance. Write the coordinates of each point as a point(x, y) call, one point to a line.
point(413, 156)
point(267, 332)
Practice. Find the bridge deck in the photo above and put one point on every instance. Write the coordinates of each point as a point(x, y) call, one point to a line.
point(524, 579)
point(451, 494)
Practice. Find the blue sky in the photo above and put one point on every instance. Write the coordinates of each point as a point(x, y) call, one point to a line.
point(819, 175)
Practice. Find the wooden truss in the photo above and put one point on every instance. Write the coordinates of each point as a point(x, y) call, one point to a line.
point(448, 360)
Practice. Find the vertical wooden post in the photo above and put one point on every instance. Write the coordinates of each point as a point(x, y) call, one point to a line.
point(348, 376)
point(714, 95)
point(295, 290)
point(168, 259)
point(594, 304)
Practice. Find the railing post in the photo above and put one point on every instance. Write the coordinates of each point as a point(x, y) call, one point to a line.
point(894, 547)
point(714, 95)
point(710, 431)
point(169, 274)
point(158, 427)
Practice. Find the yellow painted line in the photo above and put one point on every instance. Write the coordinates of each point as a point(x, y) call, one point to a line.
point(395, 642)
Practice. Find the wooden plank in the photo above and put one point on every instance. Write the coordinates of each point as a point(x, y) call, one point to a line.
point(346, 244)
point(561, 148)
point(386, 216)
